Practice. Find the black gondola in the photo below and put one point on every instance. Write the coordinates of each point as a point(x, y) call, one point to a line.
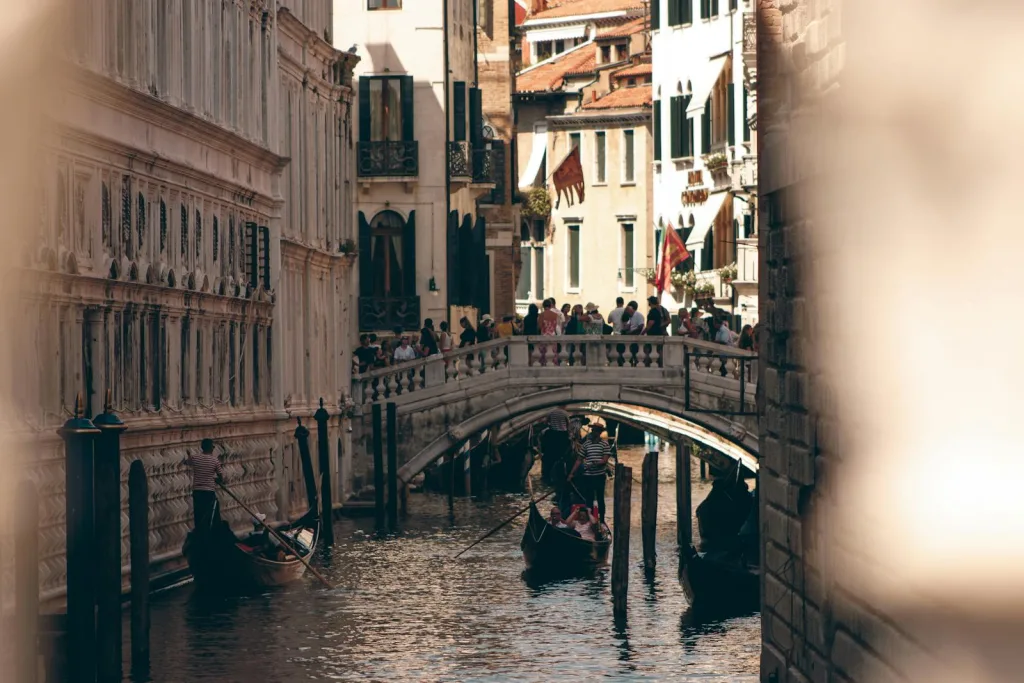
point(721, 581)
point(549, 551)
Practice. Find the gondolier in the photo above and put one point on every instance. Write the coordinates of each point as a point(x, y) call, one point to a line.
point(207, 472)
point(555, 441)
point(593, 462)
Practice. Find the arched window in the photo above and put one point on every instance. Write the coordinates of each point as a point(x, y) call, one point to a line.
point(707, 252)
point(386, 254)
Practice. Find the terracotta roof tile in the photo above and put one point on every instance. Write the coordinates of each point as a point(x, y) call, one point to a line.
point(636, 70)
point(627, 29)
point(551, 75)
point(623, 98)
point(569, 8)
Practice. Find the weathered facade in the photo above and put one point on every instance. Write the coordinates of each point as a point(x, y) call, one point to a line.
point(187, 244)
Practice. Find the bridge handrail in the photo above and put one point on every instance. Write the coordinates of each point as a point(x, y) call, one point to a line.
point(437, 357)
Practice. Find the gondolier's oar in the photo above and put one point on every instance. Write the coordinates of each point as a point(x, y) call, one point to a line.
point(279, 537)
point(505, 523)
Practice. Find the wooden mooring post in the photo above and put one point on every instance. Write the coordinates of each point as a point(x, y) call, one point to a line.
point(107, 473)
point(620, 537)
point(649, 509)
point(378, 467)
point(138, 536)
point(324, 452)
point(26, 584)
point(392, 413)
point(684, 500)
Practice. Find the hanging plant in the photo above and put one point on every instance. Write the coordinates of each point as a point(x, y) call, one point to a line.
point(348, 247)
point(716, 162)
point(728, 273)
point(536, 203)
point(704, 290)
point(685, 281)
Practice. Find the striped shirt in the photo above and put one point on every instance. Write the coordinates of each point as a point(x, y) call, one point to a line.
point(205, 468)
point(558, 420)
point(594, 453)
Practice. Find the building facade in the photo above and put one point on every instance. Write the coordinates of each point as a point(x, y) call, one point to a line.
point(422, 162)
point(705, 161)
point(594, 94)
point(190, 206)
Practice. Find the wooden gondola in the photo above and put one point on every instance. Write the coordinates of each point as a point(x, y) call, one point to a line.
point(720, 581)
point(549, 551)
point(226, 563)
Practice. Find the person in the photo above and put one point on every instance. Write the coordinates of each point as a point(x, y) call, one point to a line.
point(207, 473)
point(531, 322)
point(747, 338)
point(756, 334)
point(686, 326)
point(594, 463)
point(404, 352)
point(632, 319)
point(563, 316)
point(548, 321)
point(574, 324)
point(444, 339)
point(723, 335)
point(556, 520)
point(505, 328)
point(700, 327)
point(468, 336)
point(593, 322)
point(384, 357)
point(484, 331)
point(428, 339)
point(365, 354)
point(615, 316)
point(657, 319)
point(555, 442)
point(583, 523)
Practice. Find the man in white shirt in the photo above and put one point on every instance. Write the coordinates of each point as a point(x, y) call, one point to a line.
point(615, 317)
point(635, 322)
point(723, 335)
point(404, 351)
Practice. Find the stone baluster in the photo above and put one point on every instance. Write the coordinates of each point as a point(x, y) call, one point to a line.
point(472, 364)
point(452, 370)
point(563, 355)
point(611, 354)
point(654, 355)
point(536, 357)
point(392, 385)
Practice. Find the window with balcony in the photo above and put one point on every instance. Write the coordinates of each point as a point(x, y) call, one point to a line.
point(387, 271)
point(386, 254)
point(387, 144)
point(530, 285)
point(383, 4)
point(628, 161)
point(600, 157)
point(680, 12)
point(574, 257)
point(627, 256)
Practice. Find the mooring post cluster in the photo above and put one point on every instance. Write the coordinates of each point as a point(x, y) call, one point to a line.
point(386, 496)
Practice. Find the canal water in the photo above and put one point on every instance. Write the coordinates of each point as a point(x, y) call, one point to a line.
point(405, 610)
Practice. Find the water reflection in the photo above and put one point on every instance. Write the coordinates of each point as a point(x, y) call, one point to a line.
point(404, 609)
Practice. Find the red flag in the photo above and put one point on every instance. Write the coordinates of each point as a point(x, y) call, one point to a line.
point(673, 252)
point(568, 177)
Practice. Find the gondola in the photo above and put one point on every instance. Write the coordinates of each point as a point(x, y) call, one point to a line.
point(223, 562)
point(720, 581)
point(552, 552)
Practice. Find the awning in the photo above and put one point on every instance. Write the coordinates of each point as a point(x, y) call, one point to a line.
point(540, 149)
point(704, 83)
point(704, 217)
point(559, 33)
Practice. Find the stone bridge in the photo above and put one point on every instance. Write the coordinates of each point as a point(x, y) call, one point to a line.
point(443, 400)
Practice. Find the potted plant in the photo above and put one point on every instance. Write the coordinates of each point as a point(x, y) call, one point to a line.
point(716, 162)
point(536, 203)
point(728, 273)
point(348, 249)
point(705, 291)
point(685, 281)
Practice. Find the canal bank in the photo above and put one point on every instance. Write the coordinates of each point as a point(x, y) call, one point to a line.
point(404, 609)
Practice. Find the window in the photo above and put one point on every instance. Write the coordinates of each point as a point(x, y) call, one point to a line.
point(705, 127)
point(606, 54)
point(730, 120)
point(680, 12)
point(459, 109)
point(657, 130)
point(559, 47)
point(600, 139)
point(386, 254)
point(530, 286)
point(656, 14)
point(574, 256)
point(746, 121)
point(681, 128)
point(383, 4)
point(543, 49)
point(708, 9)
point(628, 163)
point(484, 16)
point(574, 141)
point(386, 108)
point(732, 5)
point(627, 255)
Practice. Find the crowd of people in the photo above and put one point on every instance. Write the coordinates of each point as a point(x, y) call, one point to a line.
point(708, 323)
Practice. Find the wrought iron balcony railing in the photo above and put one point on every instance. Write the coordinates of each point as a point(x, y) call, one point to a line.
point(382, 158)
point(484, 167)
point(458, 159)
point(388, 312)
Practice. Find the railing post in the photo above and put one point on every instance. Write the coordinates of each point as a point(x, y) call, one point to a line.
point(392, 413)
point(26, 584)
point(620, 538)
point(308, 476)
point(684, 502)
point(324, 452)
point(649, 509)
point(138, 537)
point(79, 435)
point(518, 352)
point(378, 467)
point(108, 541)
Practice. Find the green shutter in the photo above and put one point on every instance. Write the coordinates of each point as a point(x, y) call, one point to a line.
point(746, 121)
point(714, 8)
point(686, 15)
point(685, 128)
point(690, 144)
point(408, 109)
point(705, 129)
point(476, 117)
point(365, 267)
point(364, 109)
point(731, 90)
point(657, 130)
point(454, 252)
point(656, 14)
point(673, 12)
point(676, 132)
point(459, 111)
point(409, 255)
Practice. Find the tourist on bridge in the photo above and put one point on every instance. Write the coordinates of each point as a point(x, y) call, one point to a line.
point(365, 354)
point(468, 336)
point(207, 472)
point(548, 322)
point(531, 321)
point(444, 338)
point(486, 330)
point(404, 351)
point(615, 316)
point(594, 463)
point(428, 339)
point(657, 319)
point(506, 328)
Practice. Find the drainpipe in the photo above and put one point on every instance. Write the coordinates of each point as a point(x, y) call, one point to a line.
point(447, 174)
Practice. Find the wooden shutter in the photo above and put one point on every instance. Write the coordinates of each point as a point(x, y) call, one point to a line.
point(265, 256)
point(364, 110)
point(365, 267)
point(468, 262)
point(746, 124)
point(252, 239)
point(656, 14)
point(714, 8)
point(676, 112)
point(453, 259)
point(731, 125)
point(409, 255)
point(686, 15)
point(459, 112)
point(476, 117)
point(685, 134)
point(705, 129)
point(673, 12)
point(408, 109)
point(657, 130)
point(482, 286)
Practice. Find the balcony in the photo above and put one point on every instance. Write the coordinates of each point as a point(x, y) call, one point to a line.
point(744, 173)
point(389, 158)
point(485, 167)
point(458, 161)
point(385, 313)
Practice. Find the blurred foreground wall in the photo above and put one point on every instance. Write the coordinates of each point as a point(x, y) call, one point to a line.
point(891, 515)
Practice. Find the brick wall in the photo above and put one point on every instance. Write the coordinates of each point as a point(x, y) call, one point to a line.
point(815, 626)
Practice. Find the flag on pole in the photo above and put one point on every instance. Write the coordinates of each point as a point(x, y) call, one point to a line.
point(673, 252)
point(568, 177)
